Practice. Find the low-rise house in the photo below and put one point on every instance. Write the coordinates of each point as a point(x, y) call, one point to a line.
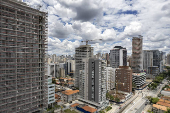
point(86, 109)
point(161, 106)
point(165, 92)
point(69, 95)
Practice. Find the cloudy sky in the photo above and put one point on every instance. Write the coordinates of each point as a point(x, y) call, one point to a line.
point(113, 21)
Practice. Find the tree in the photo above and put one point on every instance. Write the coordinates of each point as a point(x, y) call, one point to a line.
point(111, 98)
point(117, 99)
point(168, 111)
point(154, 100)
point(133, 85)
point(107, 95)
point(53, 81)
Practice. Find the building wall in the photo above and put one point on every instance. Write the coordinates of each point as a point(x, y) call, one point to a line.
point(165, 93)
point(23, 35)
point(147, 59)
point(110, 78)
point(97, 80)
point(137, 60)
point(84, 80)
point(124, 76)
point(118, 57)
point(168, 59)
point(84, 51)
point(51, 91)
point(139, 79)
point(53, 69)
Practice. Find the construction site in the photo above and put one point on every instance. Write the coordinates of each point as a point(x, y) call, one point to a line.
point(23, 45)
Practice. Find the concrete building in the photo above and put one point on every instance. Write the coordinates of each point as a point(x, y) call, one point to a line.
point(54, 58)
point(147, 59)
point(110, 78)
point(153, 70)
point(23, 43)
point(53, 69)
point(93, 80)
point(124, 75)
point(118, 57)
point(139, 79)
point(84, 51)
point(70, 66)
point(137, 60)
point(69, 95)
point(168, 59)
point(157, 57)
point(51, 90)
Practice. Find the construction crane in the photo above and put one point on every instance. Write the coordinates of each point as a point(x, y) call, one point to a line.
point(90, 40)
point(116, 85)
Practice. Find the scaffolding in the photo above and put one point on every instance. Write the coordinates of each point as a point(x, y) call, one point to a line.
point(23, 45)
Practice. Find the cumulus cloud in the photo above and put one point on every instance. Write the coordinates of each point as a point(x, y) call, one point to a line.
point(86, 10)
point(55, 46)
point(112, 21)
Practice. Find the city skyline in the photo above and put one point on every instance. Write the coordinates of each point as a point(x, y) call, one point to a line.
point(116, 22)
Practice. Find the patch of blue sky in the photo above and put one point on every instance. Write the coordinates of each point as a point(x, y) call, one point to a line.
point(119, 29)
point(45, 3)
point(64, 23)
point(61, 39)
point(104, 14)
point(116, 42)
point(102, 31)
point(106, 24)
point(134, 12)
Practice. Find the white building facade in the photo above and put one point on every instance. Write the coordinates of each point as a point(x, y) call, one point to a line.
point(110, 78)
point(51, 90)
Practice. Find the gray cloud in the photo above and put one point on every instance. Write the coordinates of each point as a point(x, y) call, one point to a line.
point(86, 9)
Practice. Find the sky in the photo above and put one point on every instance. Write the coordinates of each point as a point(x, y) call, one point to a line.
point(113, 21)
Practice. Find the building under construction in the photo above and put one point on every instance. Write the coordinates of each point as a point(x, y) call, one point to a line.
point(84, 51)
point(23, 41)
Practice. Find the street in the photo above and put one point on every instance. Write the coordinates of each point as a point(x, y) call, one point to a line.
point(138, 100)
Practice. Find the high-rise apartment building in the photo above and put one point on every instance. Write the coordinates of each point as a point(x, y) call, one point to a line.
point(54, 58)
point(137, 60)
point(93, 80)
point(156, 57)
point(147, 59)
point(110, 78)
point(123, 78)
point(168, 59)
point(23, 41)
point(53, 69)
point(84, 51)
point(118, 57)
point(51, 91)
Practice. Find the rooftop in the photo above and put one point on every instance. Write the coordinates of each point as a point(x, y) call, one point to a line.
point(163, 104)
point(166, 101)
point(167, 89)
point(89, 109)
point(138, 74)
point(74, 105)
point(58, 100)
point(160, 107)
point(70, 92)
point(57, 96)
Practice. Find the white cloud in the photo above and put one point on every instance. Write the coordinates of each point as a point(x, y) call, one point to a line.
point(83, 19)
